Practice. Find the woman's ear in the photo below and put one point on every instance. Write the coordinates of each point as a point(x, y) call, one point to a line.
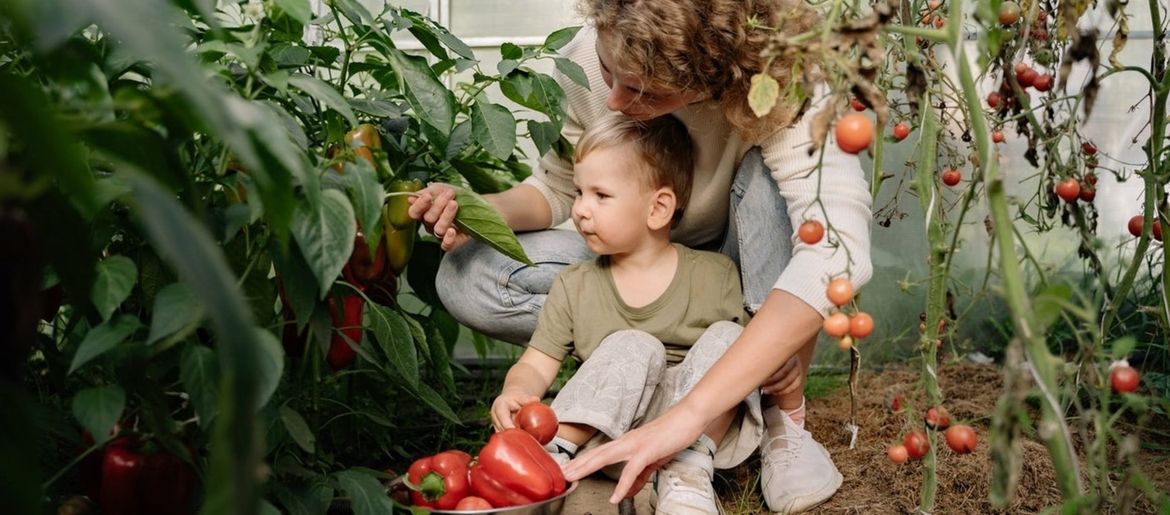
point(662, 209)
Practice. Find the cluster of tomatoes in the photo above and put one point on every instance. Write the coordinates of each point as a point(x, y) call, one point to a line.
point(915, 445)
point(838, 324)
point(854, 132)
point(1137, 225)
point(1071, 189)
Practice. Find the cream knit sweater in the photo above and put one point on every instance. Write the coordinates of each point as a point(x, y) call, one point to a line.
point(840, 186)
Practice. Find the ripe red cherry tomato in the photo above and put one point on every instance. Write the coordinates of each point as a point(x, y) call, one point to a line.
point(1091, 179)
point(1068, 190)
point(472, 502)
point(1009, 13)
point(811, 232)
point(994, 99)
point(854, 132)
point(961, 438)
point(1135, 226)
point(860, 325)
point(901, 131)
point(856, 104)
point(937, 418)
point(917, 446)
point(539, 420)
point(839, 291)
point(1027, 78)
point(951, 176)
point(1088, 193)
point(836, 325)
point(898, 454)
point(997, 136)
point(1124, 379)
point(1043, 82)
point(1020, 67)
point(1088, 148)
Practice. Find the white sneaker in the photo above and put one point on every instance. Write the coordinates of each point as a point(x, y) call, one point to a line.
point(684, 488)
point(797, 472)
point(559, 454)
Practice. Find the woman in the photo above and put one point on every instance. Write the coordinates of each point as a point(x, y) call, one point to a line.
point(754, 181)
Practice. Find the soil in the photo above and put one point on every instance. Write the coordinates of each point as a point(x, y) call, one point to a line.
point(873, 484)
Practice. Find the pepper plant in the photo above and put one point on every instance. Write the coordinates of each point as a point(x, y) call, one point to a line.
point(205, 194)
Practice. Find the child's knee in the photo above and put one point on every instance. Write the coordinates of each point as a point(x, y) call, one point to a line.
point(632, 344)
point(721, 335)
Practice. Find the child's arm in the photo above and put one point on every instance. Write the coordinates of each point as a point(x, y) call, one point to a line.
point(526, 382)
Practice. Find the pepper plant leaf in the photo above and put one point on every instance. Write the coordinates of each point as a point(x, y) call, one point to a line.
point(98, 409)
point(480, 220)
point(325, 236)
point(115, 278)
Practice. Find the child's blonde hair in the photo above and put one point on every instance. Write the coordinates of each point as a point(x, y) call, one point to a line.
point(663, 145)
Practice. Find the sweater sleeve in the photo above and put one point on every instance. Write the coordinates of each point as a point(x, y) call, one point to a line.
point(842, 189)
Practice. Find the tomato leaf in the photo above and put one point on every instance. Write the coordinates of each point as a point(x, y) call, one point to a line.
point(115, 278)
point(393, 336)
point(199, 373)
point(763, 94)
point(325, 94)
point(102, 338)
point(494, 129)
point(325, 236)
point(480, 220)
point(98, 409)
point(366, 494)
point(298, 429)
point(573, 71)
point(299, 10)
point(175, 308)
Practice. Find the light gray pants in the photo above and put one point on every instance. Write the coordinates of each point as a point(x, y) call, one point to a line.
point(626, 383)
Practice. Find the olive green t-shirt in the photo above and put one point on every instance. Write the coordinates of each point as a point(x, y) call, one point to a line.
point(583, 306)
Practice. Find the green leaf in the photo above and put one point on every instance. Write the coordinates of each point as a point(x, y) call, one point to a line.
point(507, 66)
point(430, 99)
point(424, 267)
point(1121, 347)
point(560, 38)
point(298, 429)
point(509, 51)
point(539, 92)
point(573, 71)
point(1049, 303)
point(480, 220)
point(175, 308)
point(324, 93)
point(115, 278)
point(394, 338)
point(300, 288)
point(543, 134)
point(432, 398)
point(441, 360)
point(298, 9)
point(270, 366)
point(366, 194)
point(763, 94)
point(325, 236)
point(494, 128)
point(366, 494)
point(355, 11)
point(98, 409)
point(199, 373)
point(102, 338)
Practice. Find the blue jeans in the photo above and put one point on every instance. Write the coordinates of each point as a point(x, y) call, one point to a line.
point(501, 297)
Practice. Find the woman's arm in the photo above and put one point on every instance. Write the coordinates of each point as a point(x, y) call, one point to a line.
point(783, 324)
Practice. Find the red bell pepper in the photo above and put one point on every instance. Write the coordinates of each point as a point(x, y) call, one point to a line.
point(513, 469)
point(135, 482)
point(347, 321)
point(362, 270)
point(439, 481)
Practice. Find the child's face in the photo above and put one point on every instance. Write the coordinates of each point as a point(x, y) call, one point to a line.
point(613, 204)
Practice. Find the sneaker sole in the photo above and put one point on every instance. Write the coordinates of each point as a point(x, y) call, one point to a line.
point(824, 494)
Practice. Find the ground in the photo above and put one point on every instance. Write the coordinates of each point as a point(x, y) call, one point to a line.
point(873, 484)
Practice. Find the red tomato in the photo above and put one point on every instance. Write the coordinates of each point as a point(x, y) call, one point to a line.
point(1135, 226)
point(836, 325)
point(898, 454)
point(1009, 13)
point(854, 132)
point(951, 176)
point(860, 325)
point(1068, 189)
point(856, 104)
point(917, 446)
point(1020, 67)
point(811, 232)
point(896, 403)
point(1088, 148)
point(1043, 82)
point(997, 136)
point(539, 420)
point(1027, 78)
point(901, 130)
point(1158, 230)
point(472, 502)
point(1124, 379)
point(939, 22)
point(961, 438)
point(1091, 179)
point(937, 418)
point(1088, 193)
point(839, 291)
point(994, 99)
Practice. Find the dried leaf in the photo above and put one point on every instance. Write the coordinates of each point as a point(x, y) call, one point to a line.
point(1119, 38)
point(819, 129)
point(763, 94)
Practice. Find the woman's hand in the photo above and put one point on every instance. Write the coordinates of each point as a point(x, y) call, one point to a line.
point(644, 450)
point(788, 379)
point(435, 207)
point(505, 406)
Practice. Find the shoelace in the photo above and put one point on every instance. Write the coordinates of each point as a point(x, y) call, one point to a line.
point(680, 481)
point(783, 455)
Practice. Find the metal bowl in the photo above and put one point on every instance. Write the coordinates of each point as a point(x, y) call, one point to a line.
point(552, 506)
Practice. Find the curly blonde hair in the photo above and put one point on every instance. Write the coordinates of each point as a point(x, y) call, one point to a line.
point(705, 46)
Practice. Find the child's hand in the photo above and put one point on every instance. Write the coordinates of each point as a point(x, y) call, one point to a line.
point(505, 406)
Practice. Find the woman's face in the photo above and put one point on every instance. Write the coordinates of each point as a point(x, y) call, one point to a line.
point(629, 95)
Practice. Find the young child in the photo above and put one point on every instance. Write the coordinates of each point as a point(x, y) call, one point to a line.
point(647, 318)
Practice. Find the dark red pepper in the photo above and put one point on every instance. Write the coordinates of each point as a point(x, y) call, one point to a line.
point(439, 481)
point(513, 469)
point(347, 321)
point(362, 270)
point(135, 482)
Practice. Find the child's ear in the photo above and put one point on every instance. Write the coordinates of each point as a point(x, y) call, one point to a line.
point(662, 209)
